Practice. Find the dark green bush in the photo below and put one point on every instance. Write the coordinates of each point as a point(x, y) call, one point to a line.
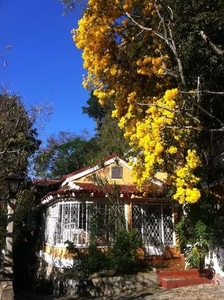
point(123, 252)
point(194, 238)
point(121, 256)
point(88, 261)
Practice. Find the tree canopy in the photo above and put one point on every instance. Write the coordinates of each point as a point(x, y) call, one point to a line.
point(18, 142)
point(18, 137)
point(95, 111)
point(64, 153)
point(109, 136)
point(162, 62)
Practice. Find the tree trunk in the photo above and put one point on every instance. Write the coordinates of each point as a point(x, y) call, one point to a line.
point(6, 282)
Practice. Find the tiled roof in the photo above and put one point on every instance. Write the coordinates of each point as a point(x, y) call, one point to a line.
point(68, 187)
point(94, 188)
point(91, 189)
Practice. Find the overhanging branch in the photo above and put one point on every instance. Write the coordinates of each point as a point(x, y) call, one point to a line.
point(211, 45)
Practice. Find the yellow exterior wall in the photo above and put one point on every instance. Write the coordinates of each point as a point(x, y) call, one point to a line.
point(172, 252)
point(58, 252)
point(62, 252)
point(105, 172)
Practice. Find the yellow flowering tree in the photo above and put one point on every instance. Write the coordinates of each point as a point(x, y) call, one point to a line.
point(134, 53)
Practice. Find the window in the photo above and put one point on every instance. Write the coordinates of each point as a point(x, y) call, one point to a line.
point(117, 172)
point(71, 220)
point(154, 223)
point(68, 221)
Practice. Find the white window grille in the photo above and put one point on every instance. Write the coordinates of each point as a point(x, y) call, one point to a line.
point(109, 219)
point(74, 222)
point(70, 221)
point(51, 224)
point(154, 223)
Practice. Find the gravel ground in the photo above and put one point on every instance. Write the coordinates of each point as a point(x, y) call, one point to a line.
point(196, 292)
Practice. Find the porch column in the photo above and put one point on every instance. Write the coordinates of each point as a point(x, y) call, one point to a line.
point(128, 214)
point(175, 221)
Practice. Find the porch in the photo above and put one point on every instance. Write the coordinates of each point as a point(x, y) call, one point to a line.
point(75, 220)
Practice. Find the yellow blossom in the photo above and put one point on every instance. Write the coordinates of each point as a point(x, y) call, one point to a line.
point(129, 66)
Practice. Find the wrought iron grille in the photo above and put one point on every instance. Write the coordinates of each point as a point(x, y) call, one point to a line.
point(153, 222)
point(71, 221)
point(51, 224)
point(168, 224)
point(108, 220)
point(74, 222)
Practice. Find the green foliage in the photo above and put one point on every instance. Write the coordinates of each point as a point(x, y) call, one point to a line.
point(193, 256)
point(26, 208)
point(202, 234)
point(203, 69)
point(109, 136)
point(123, 251)
point(18, 138)
point(64, 154)
point(194, 241)
point(203, 15)
point(87, 261)
point(201, 227)
point(191, 233)
point(18, 142)
point(184, 232)
point(120, 256)
point(95, 111)
point(97, 258)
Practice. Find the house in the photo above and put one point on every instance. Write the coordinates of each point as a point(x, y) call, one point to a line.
point(69, 209)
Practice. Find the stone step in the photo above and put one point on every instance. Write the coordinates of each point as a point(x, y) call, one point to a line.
point(178, 273)
point(178, 278)
point(175, 282)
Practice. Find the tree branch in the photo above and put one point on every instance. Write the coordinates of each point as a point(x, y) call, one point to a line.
point(175, 111)
point(167, 36)
point(183, 127)
point(210, 115)
point(212, 46)
point(196, 91)
point(214, 93)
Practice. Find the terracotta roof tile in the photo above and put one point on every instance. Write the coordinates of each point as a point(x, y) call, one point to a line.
point(92, 188)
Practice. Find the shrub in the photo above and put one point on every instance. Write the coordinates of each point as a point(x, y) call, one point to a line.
point(194, 241)
point(193, 256)
point(121, 256)
point(88, 261)
point(123, 252)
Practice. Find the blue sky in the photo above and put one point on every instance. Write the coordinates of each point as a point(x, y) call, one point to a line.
point(44, 66)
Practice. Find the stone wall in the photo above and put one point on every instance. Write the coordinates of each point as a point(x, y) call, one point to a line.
point(58, 282)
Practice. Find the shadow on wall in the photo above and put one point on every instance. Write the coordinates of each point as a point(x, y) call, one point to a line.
point(53, 281)
point(110, 286)
point(47, 279)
